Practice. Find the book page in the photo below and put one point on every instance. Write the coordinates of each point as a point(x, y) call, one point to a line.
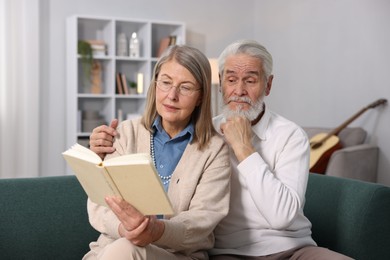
point(79, 151)
point(132, 177)
point(140, 185)
point(93, 178)
point(135, 158)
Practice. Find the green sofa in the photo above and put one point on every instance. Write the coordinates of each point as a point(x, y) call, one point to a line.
point(46, 218)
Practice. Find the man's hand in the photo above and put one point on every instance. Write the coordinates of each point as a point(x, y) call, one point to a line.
point(139, 229)
point(102, 138)
point(238, 134)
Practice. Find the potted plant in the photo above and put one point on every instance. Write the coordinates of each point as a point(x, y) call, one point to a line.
point(85, 50)
point(133, 87)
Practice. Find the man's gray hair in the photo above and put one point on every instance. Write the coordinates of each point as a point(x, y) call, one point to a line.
point(251, 48)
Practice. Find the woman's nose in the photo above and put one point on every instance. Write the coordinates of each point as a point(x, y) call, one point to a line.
point(173, 93)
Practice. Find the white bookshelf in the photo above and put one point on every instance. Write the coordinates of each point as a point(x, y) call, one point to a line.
point(109, 102)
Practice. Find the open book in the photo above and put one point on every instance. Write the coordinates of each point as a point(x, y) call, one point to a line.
point(132, 177)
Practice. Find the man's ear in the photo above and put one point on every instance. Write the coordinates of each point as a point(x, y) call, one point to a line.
point(269, 85)
point(220, 83)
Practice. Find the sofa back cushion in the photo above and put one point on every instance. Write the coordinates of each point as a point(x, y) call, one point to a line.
point(349, 216)
point(348, 136)
point(44, 218)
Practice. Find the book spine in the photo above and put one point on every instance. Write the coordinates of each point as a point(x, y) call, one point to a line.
point(119, 87)
point(124, 84)
point(164, 43)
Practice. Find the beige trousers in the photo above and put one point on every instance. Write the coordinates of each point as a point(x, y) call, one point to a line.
point(304, 253)
point(122, 249)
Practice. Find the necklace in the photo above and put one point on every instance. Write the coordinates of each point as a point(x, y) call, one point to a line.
point(165, 179)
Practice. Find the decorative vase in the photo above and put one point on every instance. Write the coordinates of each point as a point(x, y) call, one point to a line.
point(122, 45)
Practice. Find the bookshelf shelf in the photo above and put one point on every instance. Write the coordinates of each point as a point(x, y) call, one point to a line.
point(89, 102)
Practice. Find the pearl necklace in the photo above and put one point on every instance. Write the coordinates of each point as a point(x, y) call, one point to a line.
point(165, 179)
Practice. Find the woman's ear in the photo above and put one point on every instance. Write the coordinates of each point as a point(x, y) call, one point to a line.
point(199, 101)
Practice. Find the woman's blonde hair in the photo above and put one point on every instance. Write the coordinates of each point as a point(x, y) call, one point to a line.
point(198, 65)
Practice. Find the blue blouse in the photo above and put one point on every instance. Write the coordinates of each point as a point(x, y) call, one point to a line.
point(167, 151)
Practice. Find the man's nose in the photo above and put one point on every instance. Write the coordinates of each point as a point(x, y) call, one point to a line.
point(240, 88)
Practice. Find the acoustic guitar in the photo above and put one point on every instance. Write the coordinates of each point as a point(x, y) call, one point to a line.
point(324, 144)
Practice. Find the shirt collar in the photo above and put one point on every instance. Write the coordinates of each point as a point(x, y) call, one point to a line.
point(189, 129)
point(260, 128)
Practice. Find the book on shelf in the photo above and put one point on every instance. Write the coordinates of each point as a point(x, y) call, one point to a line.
point(172, 40)
point(98, 47)
point(97, 53)
point(164, 43)
point(124, 84)
point(132, 177)
point(119, 87)
point(96, 42)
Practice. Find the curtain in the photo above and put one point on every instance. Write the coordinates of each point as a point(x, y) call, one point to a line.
point(19, 88)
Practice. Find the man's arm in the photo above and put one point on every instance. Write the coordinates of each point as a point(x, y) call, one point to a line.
point(102, 138)
point(277, 191)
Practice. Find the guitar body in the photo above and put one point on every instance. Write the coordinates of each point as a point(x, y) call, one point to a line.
point(321, 153)
point(323, 145)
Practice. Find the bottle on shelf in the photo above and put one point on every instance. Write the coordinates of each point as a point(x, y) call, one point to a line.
point(134, 47)
point(122, 45)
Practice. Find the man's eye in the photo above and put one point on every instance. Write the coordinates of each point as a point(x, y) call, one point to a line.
point(251, 81)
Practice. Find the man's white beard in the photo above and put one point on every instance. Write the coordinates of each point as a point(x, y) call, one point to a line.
point(255, 108)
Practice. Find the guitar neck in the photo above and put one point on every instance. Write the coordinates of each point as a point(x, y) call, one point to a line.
point(337, 130)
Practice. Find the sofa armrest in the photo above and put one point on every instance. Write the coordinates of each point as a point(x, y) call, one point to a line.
point(349, 216)
point(355, 162)
point(44, 218)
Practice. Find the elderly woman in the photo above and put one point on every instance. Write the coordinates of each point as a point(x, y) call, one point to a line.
point(191, 159)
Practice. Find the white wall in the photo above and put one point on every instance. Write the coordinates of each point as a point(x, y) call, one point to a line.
point(332, 58)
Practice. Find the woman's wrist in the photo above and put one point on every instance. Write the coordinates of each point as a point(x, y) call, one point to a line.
point(158, 229)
